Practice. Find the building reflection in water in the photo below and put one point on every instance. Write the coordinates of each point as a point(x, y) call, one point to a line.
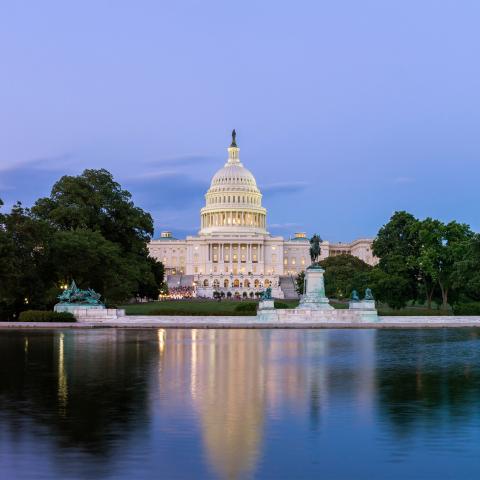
point(238, 378)
point(62, 376)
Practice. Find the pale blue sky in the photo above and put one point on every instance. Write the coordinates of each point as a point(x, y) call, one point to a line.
point(346, 111)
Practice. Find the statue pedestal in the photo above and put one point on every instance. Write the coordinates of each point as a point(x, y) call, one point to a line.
point(70, 307)
point(266, 310)
point(314, 297)
point(362, 305)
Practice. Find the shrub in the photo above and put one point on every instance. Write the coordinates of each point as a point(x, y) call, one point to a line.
point(281, 305)
point(214, 313)
point(469, 308)
point(45, 316)
point(246, 307)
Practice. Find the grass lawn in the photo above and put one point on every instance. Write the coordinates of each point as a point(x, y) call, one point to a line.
point(204, 307)
point(234, 307)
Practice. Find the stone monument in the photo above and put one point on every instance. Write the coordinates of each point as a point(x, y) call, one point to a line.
point(314, 297)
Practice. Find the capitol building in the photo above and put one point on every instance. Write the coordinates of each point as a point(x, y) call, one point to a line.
point(233, 252)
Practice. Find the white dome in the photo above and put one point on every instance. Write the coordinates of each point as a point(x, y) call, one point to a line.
point(233, 175)
point(233, 202)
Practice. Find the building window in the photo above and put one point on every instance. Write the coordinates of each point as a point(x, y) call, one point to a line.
point(205, 283)
point(225, 283)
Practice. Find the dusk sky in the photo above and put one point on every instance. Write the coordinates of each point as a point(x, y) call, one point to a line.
point(345, 111)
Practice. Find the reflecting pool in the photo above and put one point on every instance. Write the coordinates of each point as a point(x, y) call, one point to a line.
point(189, 404)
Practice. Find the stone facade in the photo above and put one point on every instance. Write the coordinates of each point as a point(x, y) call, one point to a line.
point(233, 251)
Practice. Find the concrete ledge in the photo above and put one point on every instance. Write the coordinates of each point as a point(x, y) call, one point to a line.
point(251, 322)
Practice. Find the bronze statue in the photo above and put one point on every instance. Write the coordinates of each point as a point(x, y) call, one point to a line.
point(354, 296)
point(266, 294)
point(74, 295)
point(234, 138)
point(368, 294)
point(315, 248)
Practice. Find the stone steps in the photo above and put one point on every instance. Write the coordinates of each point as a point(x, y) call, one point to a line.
point(287, 285)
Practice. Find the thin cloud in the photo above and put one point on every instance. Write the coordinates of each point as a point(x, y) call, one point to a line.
point(284, 187)
point(283, 225)
point(183, 161)
point(167, 190)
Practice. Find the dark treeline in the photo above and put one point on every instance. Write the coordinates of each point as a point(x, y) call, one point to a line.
point(89, 230)
point(424, 261)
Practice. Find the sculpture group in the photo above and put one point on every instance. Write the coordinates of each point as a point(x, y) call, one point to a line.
point(74, 297)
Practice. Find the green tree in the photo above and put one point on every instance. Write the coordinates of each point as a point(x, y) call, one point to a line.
point(396, 278)
point(466, 271)
point(344, 273)
point(300, 283)
point(27, 274)
point(94, 202)
point(442, 247)
point(92, 261)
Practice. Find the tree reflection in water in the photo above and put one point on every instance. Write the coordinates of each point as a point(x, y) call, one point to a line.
point(427, 378)
point(84, 386)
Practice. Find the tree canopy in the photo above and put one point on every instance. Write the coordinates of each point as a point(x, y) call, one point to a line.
point(89, 230)
point(424, 259)
point(343, 274)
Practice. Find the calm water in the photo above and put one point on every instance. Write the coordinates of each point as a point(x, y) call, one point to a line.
point(330, 404)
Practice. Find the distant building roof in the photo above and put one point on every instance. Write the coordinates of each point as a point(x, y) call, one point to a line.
point(166, 236)
point(300, 237)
